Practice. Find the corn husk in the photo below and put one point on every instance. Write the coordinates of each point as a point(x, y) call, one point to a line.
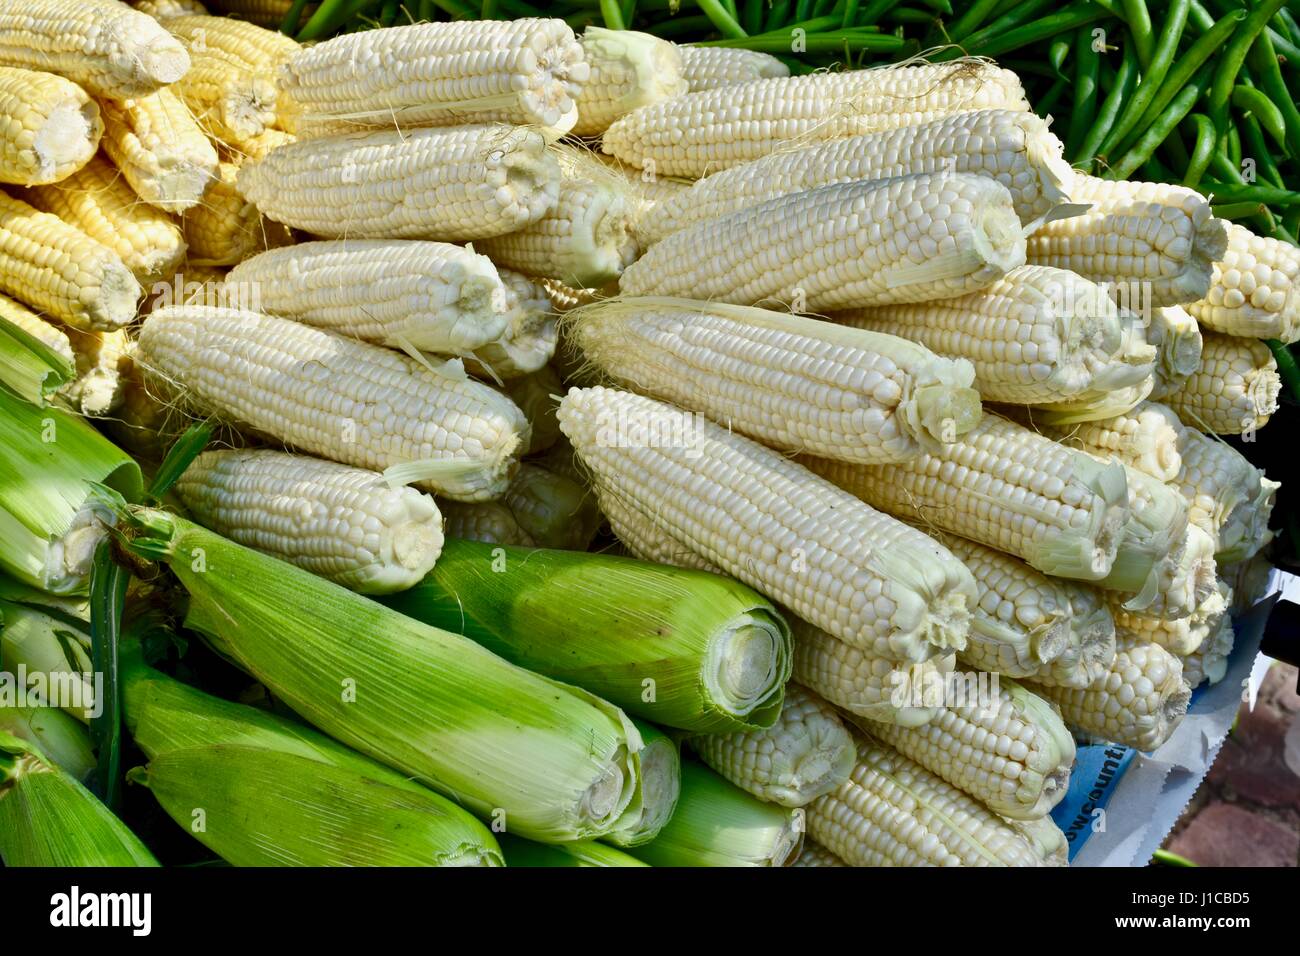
point(554, 762)
point(520, 852)
point(679, 648)
point(48, 637)
point(661, 784)
point(64, 741)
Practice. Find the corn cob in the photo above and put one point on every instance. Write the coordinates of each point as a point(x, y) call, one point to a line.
point(265, 13)
point(1229, 498)
point(1150, 555)
point(143, 423)
point(1253, 292)
point(1154, 244)
point(892, 812)
point(627, 70)
point(330, 396)
point(1037, 335)
point(97, 200)
point(59, 270)
point(700, 133)
point(712, 67)
point(846, 394)
point(1139, 701)
point(466, 182)
point(488, 521)
point(225, 229)
point(553, 510)
point(257, 147)
point(814, 854)
point(48, 334)
point(1046, 838)
point(1209, 663)
point(930, 236)
point(1014, 148)
point(1011, 752)
point(102, 361)
point(1145, 438)
point(538, 395)
point(867, 579)
point(584, 240)
point(243, 45)
point(1006, 487)
point(530, 337)
point(1179, 637)
point(103, 45)
point(196, 285)
point(521, 72)
point(1181, 582)
point(52, 128)
point(805, 754)
point(430, 296)
point(342, 523)
point(1178, 343)
point(1249, 581)
point(166, 9)
point(1234, 392)
point(160, 150)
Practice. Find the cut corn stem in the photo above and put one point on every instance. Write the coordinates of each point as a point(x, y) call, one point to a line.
point(660, 773)
point(1177, 338)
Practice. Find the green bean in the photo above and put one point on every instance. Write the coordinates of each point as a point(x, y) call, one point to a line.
point(1292, 29)
point(1075, 15)
point(425, 14)
point(1291, 219)
point(1152, 77)
point(1287, 369)
point(939, 6)
point(777, 15)
point(289, 26)
point(1206, 140)
point(1234, 56)
point(802, 9)
point(1253, 192)
point(1048, 99)
point(1285, 47)
point(1084, 110)
point(1110, 7)
point(610, 12)
point(678, 26)
point(1238, 210)
point(1139, 26)
point(1057, 52)
point(721, 18)
point(850, 14)
point(332, 14)
point(1252, 101)
point(1263, 62)
point(1252, 138)
point(628, 9)
point(829, 42)
point(1023, 13)
point(1233, 145)
point(970, 21)
point(388, 14)
point(912, 15)
point(1125, 77)
point(1200, 18)
point(822, 7)
point(1164, 125)
point(730, 7)
point(1023, 68)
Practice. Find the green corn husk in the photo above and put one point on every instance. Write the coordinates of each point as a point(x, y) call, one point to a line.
point(554, 762)
point(47, 818)
point(64, 741)
point(48, 637)
point(274, 793)
point(521, 852)
point(717, 824)
point(29, 368)
point(680, 648)
point(49, 525)
point(661, 784)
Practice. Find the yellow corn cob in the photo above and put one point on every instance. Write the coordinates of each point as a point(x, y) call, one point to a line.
point(555, 511)
point(867, 579)
point(538, 395)
point(166, 9)
point(265, 13)
point(190, 285)
point(892, 812)
point(564, 298)
point(1229, 498)
point(51, 127)
point(97, 200)
point(1011, 752)
point(1209, 663)
point(522, 72)
point(330, 396)
point(103, 45)
point(487, 521)
point(430, 296)
point(143, 423)
point(1179, 637)
point(466, 182)
point(806, 753)
point(1234, 392)
point(814, 854)
point(627, 70)
point(530, 337)
point(930, 236)
point(1255, 290)
point(160, 150)
point(700, 133)
point(1009, 488)
point(711, 67)
point(102, 359)
point(258, 146)
point(1145, 438)
point(1154, 244)
point(585, 239)
point(1037, 335)
point(1015, 148)
point(225, 229)
point(842, 393)
point(1139, 701)
point(1178, 343)
point(345, 524)
point(243, 45)
point(59, 270)
point(1249, 581)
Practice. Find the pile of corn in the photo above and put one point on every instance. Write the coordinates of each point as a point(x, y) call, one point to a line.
point(856, 360)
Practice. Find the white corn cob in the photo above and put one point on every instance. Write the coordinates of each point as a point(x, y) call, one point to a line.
point(814, 854)
point(1179, 637)
point(585, 238)
point(1154, 244)
point(466, 182)
point(930, 236)
point(866, 578)
point(97, 200)
point(627, 70)
point(1005, 486)
point(1234, 392)
point(356, 403)
point(1015, 148)
point(225, 228)
point(893, 812)
point(160, 150)
point(166, 9)
point(523, 72)
point(487, 521)
point(1037, 335)
point(1178, 343)
point(1229, 498)
point(712, 67)
point(647, 189)
point(1139, 701)
point(102, 359)
point(530, 337)
point(1249, 581)
point(1209, 663)
point(430, 296)
point(1145, 438)
point(554, 510)
point(51, 129)
point(1003, 745)
point(700, 133)
point(538, 395)
point(1255, 290)
point(60, 271)
point(794, 383)
point(103, 45)
point(1183, 581)
point(1046, 837)
point(345, 524)
point(806, 753)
